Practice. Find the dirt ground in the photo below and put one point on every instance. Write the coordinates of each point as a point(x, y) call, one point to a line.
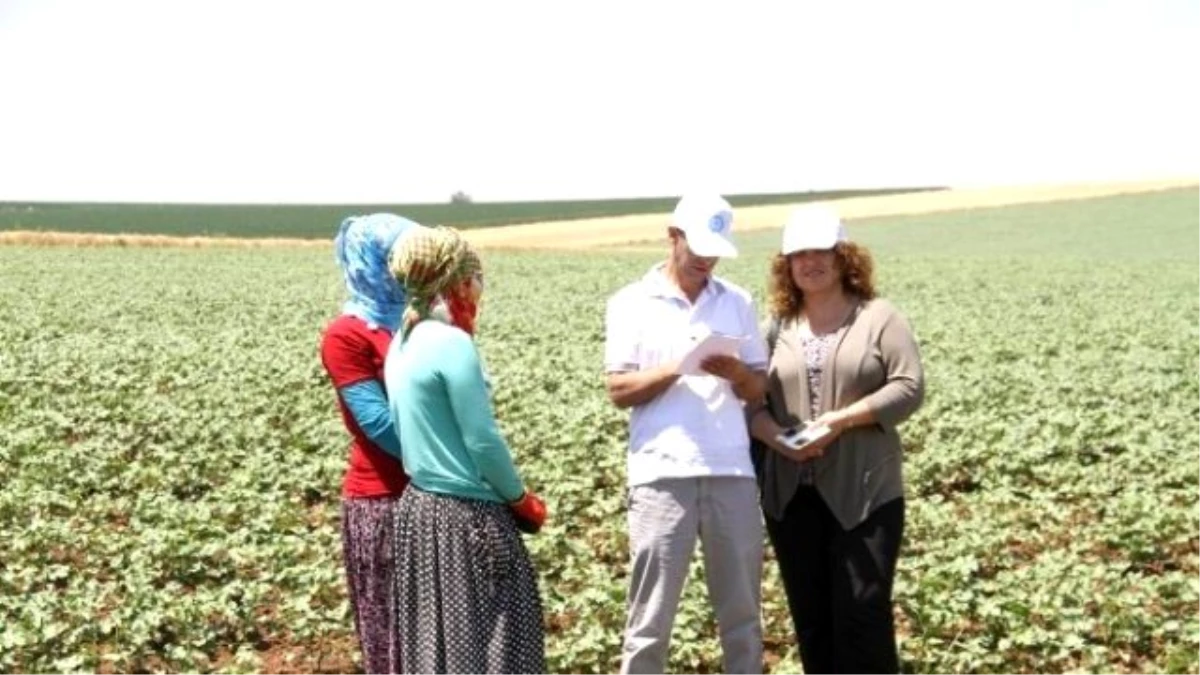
point(594, 232)
point(639, 229)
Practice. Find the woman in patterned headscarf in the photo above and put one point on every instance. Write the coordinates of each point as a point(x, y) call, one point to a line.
point(353, 348)
point(467, 596)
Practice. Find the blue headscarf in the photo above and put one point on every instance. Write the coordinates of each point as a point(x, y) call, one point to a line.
point(361, 248)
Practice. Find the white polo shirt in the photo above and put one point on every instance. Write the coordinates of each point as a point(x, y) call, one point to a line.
point(696, 427)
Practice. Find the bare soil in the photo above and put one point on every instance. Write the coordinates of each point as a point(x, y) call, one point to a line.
point(633, 230)
point(624, 230)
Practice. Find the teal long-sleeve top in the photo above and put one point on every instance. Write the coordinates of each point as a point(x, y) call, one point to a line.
point(440, 404)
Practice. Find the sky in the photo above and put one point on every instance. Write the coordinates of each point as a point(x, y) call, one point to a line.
point(349, 101)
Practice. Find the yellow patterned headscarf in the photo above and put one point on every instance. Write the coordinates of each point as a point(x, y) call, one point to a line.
point(429, 262)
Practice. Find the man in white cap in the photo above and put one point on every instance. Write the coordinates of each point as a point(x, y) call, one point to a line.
point(689, 468)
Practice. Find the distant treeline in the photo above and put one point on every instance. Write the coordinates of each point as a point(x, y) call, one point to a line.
point(321, 220)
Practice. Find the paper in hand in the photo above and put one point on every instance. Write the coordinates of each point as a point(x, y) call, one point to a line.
point(704, 346)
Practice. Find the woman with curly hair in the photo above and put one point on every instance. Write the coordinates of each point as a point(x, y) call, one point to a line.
point(353, 348)
point(467, 597)
point(846, 368)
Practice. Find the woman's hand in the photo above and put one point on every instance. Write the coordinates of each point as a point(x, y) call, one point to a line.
point(530, 512)
point(817, 447)
point(838, 421)
point(764, 428)
point(856, 414)
point(804, 453)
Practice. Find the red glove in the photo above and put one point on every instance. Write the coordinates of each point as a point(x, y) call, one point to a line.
point(529, 512)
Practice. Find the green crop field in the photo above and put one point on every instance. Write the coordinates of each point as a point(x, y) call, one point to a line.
point(320, 221)
point(171, 458)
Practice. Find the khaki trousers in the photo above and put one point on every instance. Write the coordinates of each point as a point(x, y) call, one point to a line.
point(665, 519)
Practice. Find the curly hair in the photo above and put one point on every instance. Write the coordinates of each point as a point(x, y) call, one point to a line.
point(786, 300)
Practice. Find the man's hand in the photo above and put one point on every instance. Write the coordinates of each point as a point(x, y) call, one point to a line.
point(722, 365)
point(748, 385)
point(640, 386)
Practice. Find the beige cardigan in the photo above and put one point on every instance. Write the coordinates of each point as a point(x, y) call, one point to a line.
point(876, 359)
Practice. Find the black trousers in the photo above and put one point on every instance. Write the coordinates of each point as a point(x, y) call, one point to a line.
point(839, 584)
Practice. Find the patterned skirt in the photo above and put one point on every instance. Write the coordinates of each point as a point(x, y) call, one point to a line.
point(369, 549)
point(467, 596)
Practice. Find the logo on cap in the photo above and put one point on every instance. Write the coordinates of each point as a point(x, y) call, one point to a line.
point(720, 221)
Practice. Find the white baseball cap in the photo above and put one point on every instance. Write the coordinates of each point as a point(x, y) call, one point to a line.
point(707, 222)
point(812, 227)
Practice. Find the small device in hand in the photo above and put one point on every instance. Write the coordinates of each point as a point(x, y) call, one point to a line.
point(796, 438)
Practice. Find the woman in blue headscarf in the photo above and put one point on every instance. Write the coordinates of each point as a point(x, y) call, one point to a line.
point(353, 348)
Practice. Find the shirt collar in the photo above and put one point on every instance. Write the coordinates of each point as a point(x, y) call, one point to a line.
point(660, 286)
